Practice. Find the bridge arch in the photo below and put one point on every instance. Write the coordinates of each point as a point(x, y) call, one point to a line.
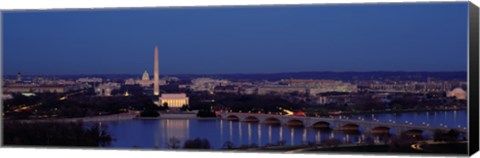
point(295, 123)
point(414, 133)
point(251, 119)
point(321, 125)
point(380, 130)
point(232, 118)
point(272, 121)
point(350, 127)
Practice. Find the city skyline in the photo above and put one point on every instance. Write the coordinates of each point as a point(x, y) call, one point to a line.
point(238, 40)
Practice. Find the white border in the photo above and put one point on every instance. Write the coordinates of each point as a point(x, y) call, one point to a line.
point(9, 5)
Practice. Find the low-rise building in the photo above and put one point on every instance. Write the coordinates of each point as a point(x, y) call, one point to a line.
point(280, 89)
point(173, 100)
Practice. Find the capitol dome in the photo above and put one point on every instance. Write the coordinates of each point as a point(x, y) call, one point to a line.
point(458, 93)
point(145, 76)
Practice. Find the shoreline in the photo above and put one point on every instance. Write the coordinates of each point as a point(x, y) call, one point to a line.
point(135, 116)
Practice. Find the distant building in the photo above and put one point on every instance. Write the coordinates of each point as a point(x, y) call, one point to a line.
point(19, 77)
point(226, 89)
point(248, 90)
point(207, 84)
point(322, 86)
point(130, 81)
point(145, 76)
point(33, 88)
point(173, 100)
point(281, 89)
point(458, 93)
point(87, 79)
point(333, 98)
point(144, 81)
point(106, 89)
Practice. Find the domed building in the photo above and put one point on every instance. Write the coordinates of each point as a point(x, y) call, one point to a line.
point(145, 81)
point(145, 76)
point(458, 93)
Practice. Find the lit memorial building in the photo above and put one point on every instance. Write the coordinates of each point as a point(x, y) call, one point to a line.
point(174, 100)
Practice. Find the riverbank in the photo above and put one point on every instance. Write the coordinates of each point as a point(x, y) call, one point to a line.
point(114, 117)
point(171, 115)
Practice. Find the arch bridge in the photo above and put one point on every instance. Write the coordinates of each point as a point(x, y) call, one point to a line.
point(332, 123)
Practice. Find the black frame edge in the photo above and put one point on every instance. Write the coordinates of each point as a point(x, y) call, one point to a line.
point(473, 114)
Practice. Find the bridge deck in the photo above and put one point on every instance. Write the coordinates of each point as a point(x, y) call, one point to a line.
point(336, 120)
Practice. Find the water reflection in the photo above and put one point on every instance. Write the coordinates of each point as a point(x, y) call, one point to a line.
point(269, 134)
point(178, 129)
point(156, 133)
point(259, 135)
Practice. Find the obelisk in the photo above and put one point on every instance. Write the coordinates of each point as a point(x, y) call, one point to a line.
point(156, 88)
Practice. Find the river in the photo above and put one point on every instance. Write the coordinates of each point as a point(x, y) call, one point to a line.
point(156, 133)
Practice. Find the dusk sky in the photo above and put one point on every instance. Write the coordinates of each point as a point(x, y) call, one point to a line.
point(268, 39)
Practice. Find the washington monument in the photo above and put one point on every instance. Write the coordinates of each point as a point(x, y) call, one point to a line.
point(156, 88)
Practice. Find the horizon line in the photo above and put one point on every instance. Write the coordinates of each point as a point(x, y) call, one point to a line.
point(254, 73)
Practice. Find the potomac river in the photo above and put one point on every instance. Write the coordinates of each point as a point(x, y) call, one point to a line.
point(155, 133)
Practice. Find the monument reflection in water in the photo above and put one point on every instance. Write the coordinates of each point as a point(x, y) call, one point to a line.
point(172, 129)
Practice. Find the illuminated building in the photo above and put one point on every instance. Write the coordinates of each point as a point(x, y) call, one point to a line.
point(322, 86)
point(458, 93)
point(207, 84)
point(174, 100)
point(87, 79)
point(144, 81)
point(130, 81)
point(31, 88)
point(106, 89)
point(145, 76)
point(281, 89)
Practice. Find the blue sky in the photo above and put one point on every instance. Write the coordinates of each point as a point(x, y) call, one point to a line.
point(253, 39)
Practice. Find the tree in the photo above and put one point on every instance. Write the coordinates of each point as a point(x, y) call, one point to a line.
point(185, 108)
point(197, 143)
point(438, 135)
point(228, 145)
point(206, 113)
point(165, 105)
point(149, 113)
point(173, 143)
point(452, 135)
